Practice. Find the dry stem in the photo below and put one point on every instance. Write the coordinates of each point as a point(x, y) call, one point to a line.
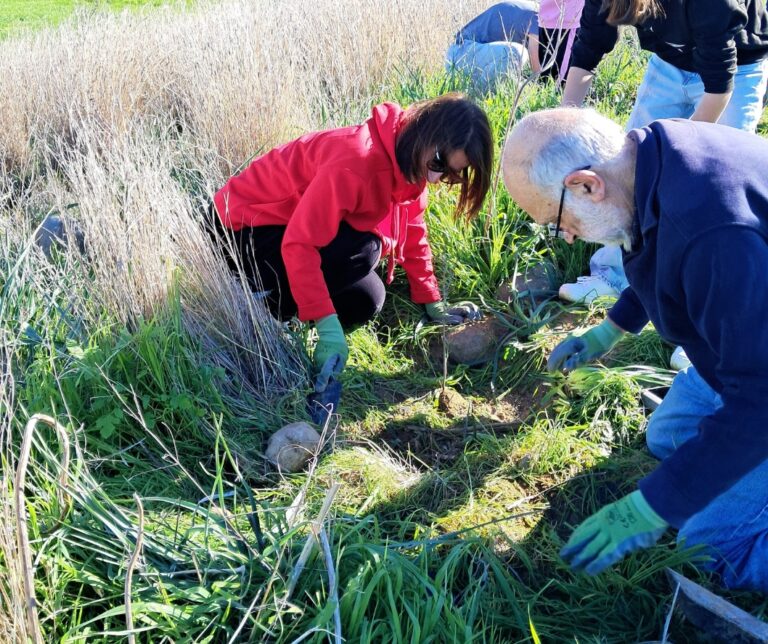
point(129, 572)
point(33, 621)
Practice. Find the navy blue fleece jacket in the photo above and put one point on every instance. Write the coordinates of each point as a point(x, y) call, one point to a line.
point(699, 271)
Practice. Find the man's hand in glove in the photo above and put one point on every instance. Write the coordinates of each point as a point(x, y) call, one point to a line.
point(576, 351)
point(445, 313)
point(330, 342)
point(618, 529)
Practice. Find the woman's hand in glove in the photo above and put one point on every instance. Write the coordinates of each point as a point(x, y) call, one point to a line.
point(458, 313)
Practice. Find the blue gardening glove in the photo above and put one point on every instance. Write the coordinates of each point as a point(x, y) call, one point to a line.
point(616, 530)
point(330, 342)
point(459, 313)
point(324, 400)
point(331, 369)
point(576, 351)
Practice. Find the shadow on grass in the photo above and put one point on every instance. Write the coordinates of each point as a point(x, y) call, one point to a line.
point(460, 467)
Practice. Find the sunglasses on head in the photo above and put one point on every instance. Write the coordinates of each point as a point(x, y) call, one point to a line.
point(447, 174)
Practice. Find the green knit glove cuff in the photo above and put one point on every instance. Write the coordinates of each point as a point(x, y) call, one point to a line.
point(646, 511)
point(607, 334)
point(330, 342)
point(435, 310)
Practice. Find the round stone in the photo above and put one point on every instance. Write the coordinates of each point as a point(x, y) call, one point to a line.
point(291, 447)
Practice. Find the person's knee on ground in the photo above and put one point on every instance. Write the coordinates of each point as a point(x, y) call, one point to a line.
point(678, 417)
point(360, 302)
point(660, 434)
point(733, 531)
point(351, 255)
point(738, 561)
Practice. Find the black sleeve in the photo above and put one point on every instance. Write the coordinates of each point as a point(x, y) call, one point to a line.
point(594, 39)
point(714, 25)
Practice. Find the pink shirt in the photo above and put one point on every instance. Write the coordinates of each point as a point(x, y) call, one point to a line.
point(562, 14)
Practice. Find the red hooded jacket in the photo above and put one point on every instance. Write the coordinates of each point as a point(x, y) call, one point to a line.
point(315, 182)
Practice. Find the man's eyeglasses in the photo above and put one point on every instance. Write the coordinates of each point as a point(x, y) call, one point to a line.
point(554, 229)
point(447, 174)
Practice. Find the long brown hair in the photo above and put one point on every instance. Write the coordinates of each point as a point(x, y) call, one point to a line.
point(630, 12)
point(447, 123)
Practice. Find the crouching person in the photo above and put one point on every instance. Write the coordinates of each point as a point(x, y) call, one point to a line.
point(687, 202)
point(494, 45)
point(310, 219)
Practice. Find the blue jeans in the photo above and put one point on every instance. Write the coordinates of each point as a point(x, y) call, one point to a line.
point(606, 261)
point(734, 526)
point(670, 92)
point(485, 63)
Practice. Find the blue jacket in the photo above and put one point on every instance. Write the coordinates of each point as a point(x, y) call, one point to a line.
point(699, 271)
point(511, 21)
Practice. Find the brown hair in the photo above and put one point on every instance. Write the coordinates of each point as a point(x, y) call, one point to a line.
point(448, 123)
point(630, 12)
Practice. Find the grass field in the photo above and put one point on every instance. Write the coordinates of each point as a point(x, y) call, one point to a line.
point(20, 15)
point(150, 509)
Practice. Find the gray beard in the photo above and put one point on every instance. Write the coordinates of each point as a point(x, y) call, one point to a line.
point(608, 225)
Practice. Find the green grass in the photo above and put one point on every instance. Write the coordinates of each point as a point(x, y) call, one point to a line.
point(20, 15)
point(448, 521)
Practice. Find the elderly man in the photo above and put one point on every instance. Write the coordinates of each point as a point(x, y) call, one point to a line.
point(688, 204)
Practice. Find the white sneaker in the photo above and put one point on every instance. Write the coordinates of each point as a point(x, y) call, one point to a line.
point(679, 360)
point(587, 288)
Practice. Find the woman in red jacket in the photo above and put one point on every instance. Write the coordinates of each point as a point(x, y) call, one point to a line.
point(311, 218)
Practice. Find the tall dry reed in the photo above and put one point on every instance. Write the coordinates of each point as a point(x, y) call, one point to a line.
point(12, 597)
point(242, 75)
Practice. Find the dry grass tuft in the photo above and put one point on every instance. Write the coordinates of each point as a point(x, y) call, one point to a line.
point(130, 121)
point(240, 75)
point(13, 622)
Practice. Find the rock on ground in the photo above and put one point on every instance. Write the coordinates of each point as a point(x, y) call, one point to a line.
point(474, 344)
point(538, 279)
point(291, 447)
point(54, 232)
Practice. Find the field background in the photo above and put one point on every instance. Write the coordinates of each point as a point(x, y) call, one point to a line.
point(20, 15)
point(146, 498)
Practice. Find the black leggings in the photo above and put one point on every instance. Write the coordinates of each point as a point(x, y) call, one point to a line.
point(549, 39)
point(348, 264)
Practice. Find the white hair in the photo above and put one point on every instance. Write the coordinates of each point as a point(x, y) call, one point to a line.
point(584, 139)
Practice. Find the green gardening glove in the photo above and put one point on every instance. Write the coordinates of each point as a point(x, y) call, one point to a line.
point(459, 313)
point(576, 351)
point(330, 342)
point(619, 528)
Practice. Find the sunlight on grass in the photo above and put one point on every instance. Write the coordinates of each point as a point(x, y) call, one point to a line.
point(441, 498)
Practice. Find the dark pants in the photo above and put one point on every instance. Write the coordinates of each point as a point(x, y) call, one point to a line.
point(348, 264)
point(548, 40)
